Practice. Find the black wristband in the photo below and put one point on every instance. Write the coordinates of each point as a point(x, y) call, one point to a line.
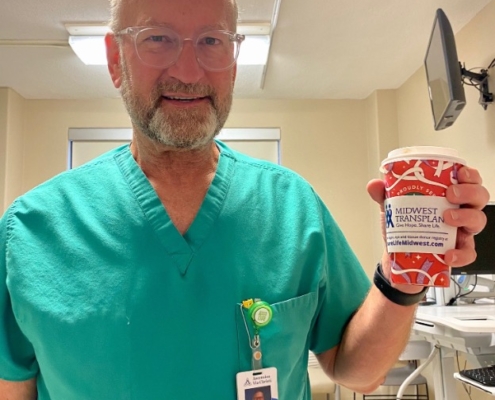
point(391, 293)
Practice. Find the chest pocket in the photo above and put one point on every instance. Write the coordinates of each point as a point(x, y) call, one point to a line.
point(284, 343)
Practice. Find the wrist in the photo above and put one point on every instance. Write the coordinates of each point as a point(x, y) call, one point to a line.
point(393, 293)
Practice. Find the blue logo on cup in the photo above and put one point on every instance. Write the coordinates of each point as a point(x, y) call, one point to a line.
point(389, 215)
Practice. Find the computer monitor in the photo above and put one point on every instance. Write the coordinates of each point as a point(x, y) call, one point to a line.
point(476, 280)
point(485, 248)
point(443, 73)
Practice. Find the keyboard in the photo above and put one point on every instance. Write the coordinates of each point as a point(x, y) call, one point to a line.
point(485, 375)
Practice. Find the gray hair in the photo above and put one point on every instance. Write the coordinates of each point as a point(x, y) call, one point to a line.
point(116, 7)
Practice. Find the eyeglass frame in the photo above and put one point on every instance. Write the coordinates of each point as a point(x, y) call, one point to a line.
point(134, 31)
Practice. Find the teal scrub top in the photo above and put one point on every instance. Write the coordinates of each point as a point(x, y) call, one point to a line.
point(102, 298)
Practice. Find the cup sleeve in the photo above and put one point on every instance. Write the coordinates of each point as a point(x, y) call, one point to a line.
point(17, 357)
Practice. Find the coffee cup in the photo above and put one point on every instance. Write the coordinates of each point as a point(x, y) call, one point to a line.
point(417, 238)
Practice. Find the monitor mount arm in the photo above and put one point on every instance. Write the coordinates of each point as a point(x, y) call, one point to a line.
point(480, 81)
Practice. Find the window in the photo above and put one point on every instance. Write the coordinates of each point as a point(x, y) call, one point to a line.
point(88, 143)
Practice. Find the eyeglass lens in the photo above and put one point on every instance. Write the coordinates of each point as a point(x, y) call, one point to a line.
point(161, 47)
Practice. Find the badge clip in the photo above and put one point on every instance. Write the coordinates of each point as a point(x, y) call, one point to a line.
point(260, 314)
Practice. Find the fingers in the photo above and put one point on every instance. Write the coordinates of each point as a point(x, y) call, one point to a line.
point(468, 192)
point(472, 197)
point(469, 220)
point(469, 175)
point(464, 253)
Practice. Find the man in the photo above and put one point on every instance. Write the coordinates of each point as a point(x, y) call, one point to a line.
point(259, 396)
point(124, 279)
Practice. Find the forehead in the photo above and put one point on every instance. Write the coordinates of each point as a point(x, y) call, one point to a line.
point(182, 15)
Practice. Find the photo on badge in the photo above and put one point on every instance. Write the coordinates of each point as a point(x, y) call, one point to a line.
point(261, 393)
point(257, 385)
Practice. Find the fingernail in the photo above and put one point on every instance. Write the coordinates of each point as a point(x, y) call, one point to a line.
point(456, 190)
point(454, 259)
point(454, 215)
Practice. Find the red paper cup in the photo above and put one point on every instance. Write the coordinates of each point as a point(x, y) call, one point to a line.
point(416, 181)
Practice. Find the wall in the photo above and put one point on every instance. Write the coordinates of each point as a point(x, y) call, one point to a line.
point(46, 132)
point(13, 181)
point(382, 136)
point(11, 150)
point(4, 101)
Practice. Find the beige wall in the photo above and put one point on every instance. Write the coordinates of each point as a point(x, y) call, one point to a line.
point(13, 181)
point(11, 150)
point(382, 136)
point(46, 130)
point(4, 101)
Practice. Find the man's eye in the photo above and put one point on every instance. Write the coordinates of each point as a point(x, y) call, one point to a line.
point(158, 39)
point(211, 41)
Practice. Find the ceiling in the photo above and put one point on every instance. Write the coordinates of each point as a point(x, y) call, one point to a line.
point(321, 49)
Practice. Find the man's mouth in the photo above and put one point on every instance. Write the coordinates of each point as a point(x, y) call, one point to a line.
point(184, 99)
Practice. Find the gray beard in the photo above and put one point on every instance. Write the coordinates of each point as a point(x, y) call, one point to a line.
point(180, 129)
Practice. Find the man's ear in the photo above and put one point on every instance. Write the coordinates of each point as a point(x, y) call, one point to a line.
point(113, 59)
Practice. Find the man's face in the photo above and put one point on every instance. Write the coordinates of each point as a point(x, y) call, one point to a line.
point(258, 396)
point(183, 106)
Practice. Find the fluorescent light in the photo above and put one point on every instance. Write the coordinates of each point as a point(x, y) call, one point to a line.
point(254, 50)
point(87, 29)
point(250, 28)
point(90, 49)
point(89, 45)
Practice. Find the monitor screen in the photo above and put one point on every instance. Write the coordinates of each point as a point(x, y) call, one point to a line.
point(485, 248)
point(443, 73)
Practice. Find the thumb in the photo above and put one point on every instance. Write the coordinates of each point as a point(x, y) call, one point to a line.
point(376, 190)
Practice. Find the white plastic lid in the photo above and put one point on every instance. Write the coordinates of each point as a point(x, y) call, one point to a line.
point(424, 153)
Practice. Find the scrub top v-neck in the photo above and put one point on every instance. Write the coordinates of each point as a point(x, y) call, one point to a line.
point(181, 248)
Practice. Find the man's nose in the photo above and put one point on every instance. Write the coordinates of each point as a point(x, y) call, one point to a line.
point(187, 68)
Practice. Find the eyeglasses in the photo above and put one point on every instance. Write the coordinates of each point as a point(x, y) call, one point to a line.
point(161, 47)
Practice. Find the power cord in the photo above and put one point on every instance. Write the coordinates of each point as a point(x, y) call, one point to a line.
point(416, 372)
point(458, 294)
point(467, 388)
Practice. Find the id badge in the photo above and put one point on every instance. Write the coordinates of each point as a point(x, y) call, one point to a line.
point(257, 385)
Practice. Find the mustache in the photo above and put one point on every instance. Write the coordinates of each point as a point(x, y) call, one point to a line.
point(176, 86)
